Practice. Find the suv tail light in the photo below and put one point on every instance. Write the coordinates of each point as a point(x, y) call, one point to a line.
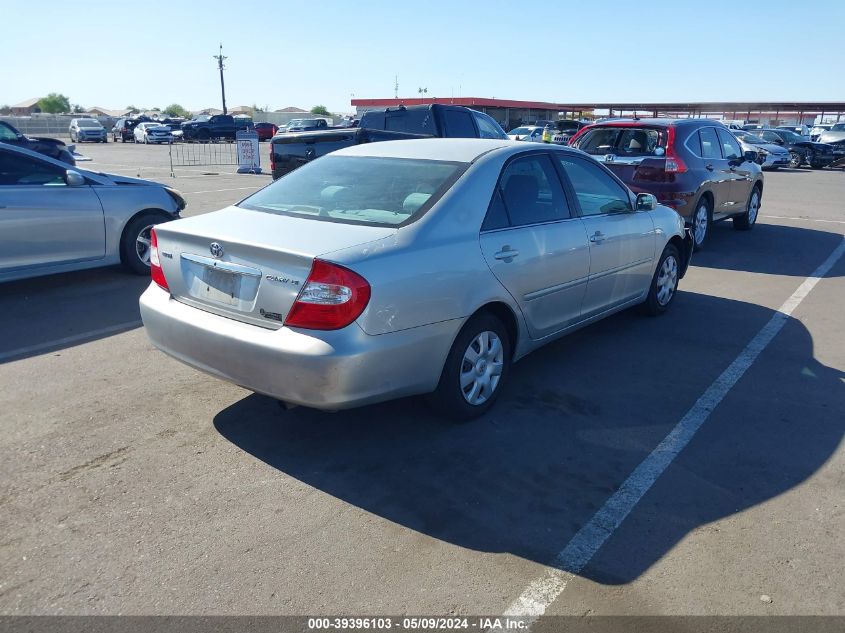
point(674, 164)
point(156, 272)
point(272, 156)
point(332, 298)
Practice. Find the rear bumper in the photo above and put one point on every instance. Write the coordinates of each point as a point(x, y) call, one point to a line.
point(324, 370)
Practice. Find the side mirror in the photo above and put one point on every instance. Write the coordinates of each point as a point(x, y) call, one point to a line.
point(74, 178)
point(779, 141)
point(750, 156)
point(646, 202)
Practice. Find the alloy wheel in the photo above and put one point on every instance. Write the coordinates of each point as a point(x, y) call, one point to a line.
point(143, 243)
point(667, 280)
point(795, 159)
point(699, 225)
point(753, 207)
point(481, 368)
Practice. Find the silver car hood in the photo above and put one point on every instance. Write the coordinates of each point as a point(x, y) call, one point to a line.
point(831, 137)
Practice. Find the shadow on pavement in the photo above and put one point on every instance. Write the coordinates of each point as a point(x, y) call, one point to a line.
point(770, 249)
point(576, 419)
point(43, 310)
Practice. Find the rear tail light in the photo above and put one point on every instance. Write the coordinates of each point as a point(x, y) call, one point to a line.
point(156, 272)
point(332, 298)
point(272, 157)
point(674, 164)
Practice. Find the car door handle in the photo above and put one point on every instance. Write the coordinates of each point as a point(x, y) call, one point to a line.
point(506, 254)
point(709, 167)
point(597, 237)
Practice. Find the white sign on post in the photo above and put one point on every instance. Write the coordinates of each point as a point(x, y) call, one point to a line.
point(249, 158)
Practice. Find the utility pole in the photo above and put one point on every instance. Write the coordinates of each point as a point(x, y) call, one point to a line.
point(220, 57)
point(396, 87)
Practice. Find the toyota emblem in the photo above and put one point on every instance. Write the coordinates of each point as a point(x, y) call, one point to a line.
point(216, 250)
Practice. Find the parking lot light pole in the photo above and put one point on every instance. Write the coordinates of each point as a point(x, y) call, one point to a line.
point(220, 57)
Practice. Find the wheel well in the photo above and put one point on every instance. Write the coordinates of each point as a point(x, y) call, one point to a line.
point(707, 195)
point(503, 312)
point(152, 212)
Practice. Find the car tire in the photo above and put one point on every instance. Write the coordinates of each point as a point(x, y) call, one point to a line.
point(796, 159)
point(131, 255)
point(469, 384)
point(700, 223)
point(747, 220)
point(664, 283)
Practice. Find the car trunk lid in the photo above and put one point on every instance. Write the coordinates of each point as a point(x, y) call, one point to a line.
point(249, 265)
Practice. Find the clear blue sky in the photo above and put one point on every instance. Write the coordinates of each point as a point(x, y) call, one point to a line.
point(305, 53)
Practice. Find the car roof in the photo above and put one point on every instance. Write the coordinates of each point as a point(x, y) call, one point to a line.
point(463, 150)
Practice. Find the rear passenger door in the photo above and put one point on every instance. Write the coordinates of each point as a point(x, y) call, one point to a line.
point(621, 239)
point(535, 245)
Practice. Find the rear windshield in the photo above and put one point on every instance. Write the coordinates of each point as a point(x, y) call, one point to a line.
point(624, 141)
point(358, 190)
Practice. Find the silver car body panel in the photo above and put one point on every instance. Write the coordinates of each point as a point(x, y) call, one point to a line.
point(427, 279)
point(47, 229)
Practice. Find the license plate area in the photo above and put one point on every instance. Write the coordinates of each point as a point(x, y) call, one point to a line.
point(221, 286)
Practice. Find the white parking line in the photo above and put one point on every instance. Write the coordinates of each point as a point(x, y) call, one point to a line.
point(786, 217)
point(68, 340)
point(537, 597)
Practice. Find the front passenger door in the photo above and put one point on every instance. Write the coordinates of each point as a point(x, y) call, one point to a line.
point(622, 240)
point(44, 221)
point(740, 171)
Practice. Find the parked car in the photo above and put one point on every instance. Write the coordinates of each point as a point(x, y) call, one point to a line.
point(306, 125)
point(55, 219)
point(531, 133)
point(394, 269)
point(123, 128)
point(802, 151)
point(152, 132)
point(695, 166)
point(266, 131)
point(54, 148)
point(175, 130)
point(771, 155)
point(565, 129)
point(817, 130)
point(84, 130)
point(207, 127)
point(750, 127)
point(800, 130)
point(835, 137)
point(289, 151)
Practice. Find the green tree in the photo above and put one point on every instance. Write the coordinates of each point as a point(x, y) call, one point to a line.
point(54, 103)
point(174, 109)
point(78, 109)
point(320, 109)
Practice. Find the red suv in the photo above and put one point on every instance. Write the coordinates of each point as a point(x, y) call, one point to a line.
point(266, 131)
point(695, 166)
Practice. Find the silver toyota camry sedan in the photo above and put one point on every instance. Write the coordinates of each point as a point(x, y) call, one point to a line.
point(55, 218)
point(408, 267)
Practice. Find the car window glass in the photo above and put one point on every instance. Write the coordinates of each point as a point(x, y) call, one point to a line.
point(458, 124)
point(23, 170)
point(7, 135)
point(730, 148)
point(486, 128)
point(694, 143)
point(532, 191)
point(497, 215)
point(709, 143)
point(596, 190)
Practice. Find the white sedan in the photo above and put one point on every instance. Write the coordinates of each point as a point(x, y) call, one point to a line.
point(152, 132)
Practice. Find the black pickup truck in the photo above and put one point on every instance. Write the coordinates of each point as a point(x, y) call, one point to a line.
point(292, 150)
point(206, 127)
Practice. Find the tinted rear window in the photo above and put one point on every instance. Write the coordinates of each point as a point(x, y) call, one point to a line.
point(624, 141)
point(358, 190)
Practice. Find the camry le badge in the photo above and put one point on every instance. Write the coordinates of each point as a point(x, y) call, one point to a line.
point(216, 250)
